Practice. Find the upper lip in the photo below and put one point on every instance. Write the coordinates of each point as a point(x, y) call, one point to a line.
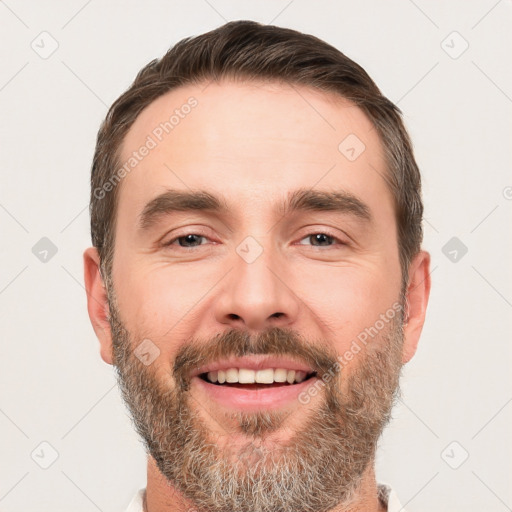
point(253, 362)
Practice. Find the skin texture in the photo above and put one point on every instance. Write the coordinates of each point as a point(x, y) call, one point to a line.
point(252, 144)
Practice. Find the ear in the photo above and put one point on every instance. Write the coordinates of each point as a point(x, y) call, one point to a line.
point(418, 291)
point(97, 304)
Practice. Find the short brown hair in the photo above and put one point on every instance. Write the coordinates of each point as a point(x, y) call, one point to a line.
point(248, 50)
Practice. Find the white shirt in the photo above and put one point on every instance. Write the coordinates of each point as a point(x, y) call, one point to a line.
point(386, 495)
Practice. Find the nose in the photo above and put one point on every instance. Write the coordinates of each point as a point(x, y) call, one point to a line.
point(257, 295)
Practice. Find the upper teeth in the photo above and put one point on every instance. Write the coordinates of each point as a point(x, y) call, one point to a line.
point(266, 376)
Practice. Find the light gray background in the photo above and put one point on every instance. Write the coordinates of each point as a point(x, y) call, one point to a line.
point(54, 387)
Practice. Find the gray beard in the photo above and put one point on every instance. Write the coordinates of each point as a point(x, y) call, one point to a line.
point(319, 468)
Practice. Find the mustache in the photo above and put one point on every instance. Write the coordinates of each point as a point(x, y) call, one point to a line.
point(276, 341)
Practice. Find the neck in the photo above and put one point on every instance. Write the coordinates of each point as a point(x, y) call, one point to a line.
point(161, 496)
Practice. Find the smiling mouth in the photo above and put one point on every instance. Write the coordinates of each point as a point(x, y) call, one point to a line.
point(254, 380)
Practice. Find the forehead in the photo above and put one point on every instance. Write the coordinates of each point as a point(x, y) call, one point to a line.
point(251, 141)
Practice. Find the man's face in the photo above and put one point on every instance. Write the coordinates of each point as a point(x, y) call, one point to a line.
point(254, 286)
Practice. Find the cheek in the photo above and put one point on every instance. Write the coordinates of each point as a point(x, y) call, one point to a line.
point(346, 301)
point(160, 302)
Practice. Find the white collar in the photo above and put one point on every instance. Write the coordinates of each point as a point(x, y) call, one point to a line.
point(389, 498)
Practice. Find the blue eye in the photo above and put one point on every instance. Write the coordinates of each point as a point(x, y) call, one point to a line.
point(192, 240)
point(186, 239)
point(321, 239)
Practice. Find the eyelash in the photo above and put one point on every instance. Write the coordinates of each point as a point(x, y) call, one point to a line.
point(175, 239)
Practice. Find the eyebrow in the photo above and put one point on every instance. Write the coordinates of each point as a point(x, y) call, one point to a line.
point(325, 201)
point(299, 200)
point(179, 201)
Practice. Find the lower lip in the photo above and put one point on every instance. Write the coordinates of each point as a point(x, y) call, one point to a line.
point(252, 399)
